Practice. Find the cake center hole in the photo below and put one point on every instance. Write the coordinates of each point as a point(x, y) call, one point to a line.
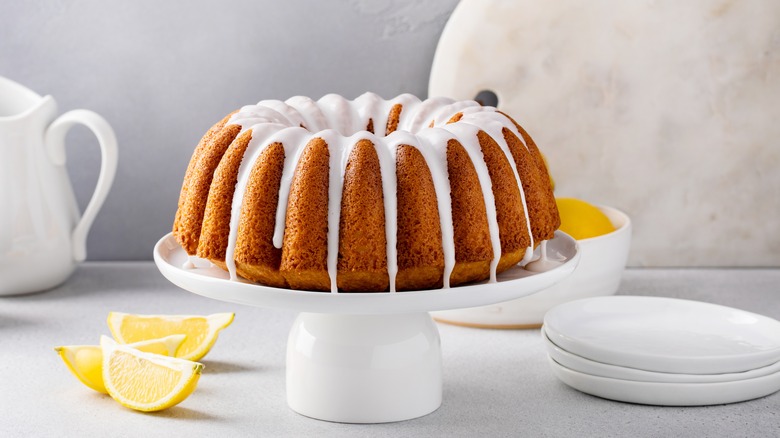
point(487, 98)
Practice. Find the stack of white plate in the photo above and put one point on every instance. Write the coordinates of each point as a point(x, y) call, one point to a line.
point(663, 351)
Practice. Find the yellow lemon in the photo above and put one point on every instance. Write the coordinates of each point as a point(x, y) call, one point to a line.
point(86, 361)
point(581, 220)
point(146, 381)
point(201, 331)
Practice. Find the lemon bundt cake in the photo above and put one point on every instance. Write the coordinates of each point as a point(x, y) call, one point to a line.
point(365, 195)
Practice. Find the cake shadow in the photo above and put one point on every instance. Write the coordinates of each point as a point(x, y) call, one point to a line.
point(222, 367)
point(182, 413)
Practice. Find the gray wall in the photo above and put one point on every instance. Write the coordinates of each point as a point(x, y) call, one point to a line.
point(161, 72)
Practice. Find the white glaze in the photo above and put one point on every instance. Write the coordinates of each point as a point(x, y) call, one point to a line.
point(341, 124)
point(493, 123)
point(543, 263)
point(434, 151)
point(464, 133)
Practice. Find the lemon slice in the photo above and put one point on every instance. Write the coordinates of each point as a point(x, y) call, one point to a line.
point(86, 361)
point(146, 381)
point(201, 331)
point(582, 220)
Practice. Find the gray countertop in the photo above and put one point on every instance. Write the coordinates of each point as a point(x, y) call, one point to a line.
point(496, 382)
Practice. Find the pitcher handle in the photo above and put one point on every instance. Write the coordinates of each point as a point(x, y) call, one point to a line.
point(55, 147)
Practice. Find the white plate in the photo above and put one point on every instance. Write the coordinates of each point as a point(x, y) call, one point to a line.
point(588, 366)
point(665, 334)
point(214, 283)
point(668, 394)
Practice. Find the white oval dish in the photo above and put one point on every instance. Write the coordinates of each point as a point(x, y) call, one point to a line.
point(213, 282)
point(665, 334)
point(667, 394)
point(583, 365)
point(598, 273)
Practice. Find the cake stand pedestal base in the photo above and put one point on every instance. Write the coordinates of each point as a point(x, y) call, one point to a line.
point(363, 357)
point(364, 368)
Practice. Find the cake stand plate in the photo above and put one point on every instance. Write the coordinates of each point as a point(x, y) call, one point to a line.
point(370, 357)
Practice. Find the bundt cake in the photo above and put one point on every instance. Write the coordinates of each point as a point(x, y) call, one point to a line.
point(365, 195)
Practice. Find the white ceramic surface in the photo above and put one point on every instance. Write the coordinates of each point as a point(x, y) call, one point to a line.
point(587, 366)
point(42, 238)
point(665, 334)
point(628, 100)
point(668, 394)
point(364, 368)
point(214, 283)
point(601, 266)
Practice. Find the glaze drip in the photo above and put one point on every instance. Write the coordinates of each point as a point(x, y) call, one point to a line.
point(544, 262)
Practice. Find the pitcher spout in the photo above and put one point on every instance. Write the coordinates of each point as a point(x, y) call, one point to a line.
point(18, 102)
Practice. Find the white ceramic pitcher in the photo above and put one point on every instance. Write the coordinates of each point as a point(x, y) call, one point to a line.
point(42, 238)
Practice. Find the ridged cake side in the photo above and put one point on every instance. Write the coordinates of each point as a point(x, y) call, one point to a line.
point(279, 160)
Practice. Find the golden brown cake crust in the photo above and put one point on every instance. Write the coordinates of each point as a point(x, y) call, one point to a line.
point(393, 118)
point(216, 218)
point(197, 183)
point(510, 215)
point(256, 257)
point(420, 255)
point(469, 218)
point(305, 247)
point(362, 259)
point(539, 197)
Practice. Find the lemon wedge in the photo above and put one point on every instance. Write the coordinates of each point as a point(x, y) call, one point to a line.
point(146, 381)
point(582, 220)
point(201, 331)
point(86, 361)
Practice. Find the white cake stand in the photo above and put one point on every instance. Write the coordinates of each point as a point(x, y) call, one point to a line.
point(363, 357)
